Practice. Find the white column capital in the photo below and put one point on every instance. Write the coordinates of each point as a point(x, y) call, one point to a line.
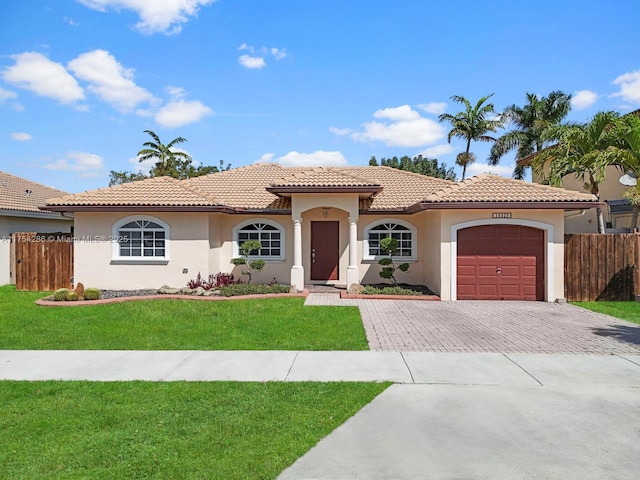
point(353, 219)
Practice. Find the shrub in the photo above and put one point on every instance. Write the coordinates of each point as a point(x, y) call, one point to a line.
point(395, 290)
point(390, 247)
point(245, 250)
point(249, 289)
point(60, 295)
point(214, 281)
point(91, 293)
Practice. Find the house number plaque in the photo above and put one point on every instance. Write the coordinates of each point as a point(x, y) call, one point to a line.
point(501, 215)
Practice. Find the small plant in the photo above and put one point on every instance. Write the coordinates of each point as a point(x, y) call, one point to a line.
point(248, 289)
point(60, 295)
point(71, 296)
point(214, 281)
point(390, 247)
point(251, 265)
point(91, 293)
point(224, 279)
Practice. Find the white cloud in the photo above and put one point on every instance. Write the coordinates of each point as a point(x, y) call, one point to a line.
point(267, 157)
point(71, 21)
point(157, 16)
point(7, 95)
point(435, 108)
point(437, 150)
point(178, 113)
point(256, 59)
point(480, 168)
point(340, 131)
point(278, 54)
point(583, 99)
point(85, 165)
point(21, 136)
point(248, 61)
point(109, 80)
point(33, 71)
point(404, 127)
point(315, 159)
point(629, 84)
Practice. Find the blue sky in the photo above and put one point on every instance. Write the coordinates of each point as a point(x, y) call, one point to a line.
point(296, 82)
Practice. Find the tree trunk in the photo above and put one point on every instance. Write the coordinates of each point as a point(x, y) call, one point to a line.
point(600, 220)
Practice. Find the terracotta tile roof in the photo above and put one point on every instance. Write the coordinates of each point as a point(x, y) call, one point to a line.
point(23, 195)
point(245, 189)
point(158, 191)
point(493, 188)
point(324, 177)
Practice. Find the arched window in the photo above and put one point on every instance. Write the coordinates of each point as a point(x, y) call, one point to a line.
point(270, 234)
point(141, 238)
point(403, 232)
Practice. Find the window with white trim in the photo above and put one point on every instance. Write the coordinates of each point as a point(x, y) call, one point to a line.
point(403, 232)
point(143, 238)
point(270, 235)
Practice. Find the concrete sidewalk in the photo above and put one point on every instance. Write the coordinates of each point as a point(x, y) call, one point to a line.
point(513, 369)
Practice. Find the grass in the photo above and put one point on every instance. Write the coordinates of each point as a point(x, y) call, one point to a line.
point(629, 311)
point(264, 324)
point(136, 430)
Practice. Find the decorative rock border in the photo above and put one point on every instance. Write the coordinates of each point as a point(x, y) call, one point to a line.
point(46, 302)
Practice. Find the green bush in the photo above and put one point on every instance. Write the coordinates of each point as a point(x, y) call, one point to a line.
point(246, 249)
point(249, 289)
point(91, 294)
point(390, 247)
point(60, 295)
point(371, 290)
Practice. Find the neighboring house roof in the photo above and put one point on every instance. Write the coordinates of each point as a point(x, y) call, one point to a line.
point(22, 197)
point(267, 188)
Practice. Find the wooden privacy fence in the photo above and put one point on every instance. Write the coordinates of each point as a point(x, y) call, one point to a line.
point(42, 261)
point(601, 266)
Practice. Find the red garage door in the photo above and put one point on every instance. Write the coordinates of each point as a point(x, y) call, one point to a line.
point(500, 262)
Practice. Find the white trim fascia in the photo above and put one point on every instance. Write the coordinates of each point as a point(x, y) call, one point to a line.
point(548, 254)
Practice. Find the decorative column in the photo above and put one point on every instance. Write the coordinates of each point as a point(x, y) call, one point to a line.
point(297, 270)
point(353, 271)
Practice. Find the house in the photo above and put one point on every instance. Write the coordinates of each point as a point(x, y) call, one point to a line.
point(485, 237)
point(20, 200)
point(617, 212)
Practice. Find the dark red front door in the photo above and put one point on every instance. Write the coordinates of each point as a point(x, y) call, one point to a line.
point(325, 250)
point(500, 262)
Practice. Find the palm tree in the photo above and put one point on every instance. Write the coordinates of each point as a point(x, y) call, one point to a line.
point(530, 123)
point(472, 125)
point(584, 151)
point(164, 153)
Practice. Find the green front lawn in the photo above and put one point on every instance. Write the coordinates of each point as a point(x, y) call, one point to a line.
point(138, 430)
point(265, 324)
point(629, 311)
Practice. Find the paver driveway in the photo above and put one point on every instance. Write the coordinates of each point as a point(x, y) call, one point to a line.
point(483, 326)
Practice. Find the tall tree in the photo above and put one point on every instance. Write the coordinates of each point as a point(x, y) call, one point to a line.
point(584, 150)
point(164, 153)
point(472, 125)
point(418, 164)
point(529, 126)
point(169, 163)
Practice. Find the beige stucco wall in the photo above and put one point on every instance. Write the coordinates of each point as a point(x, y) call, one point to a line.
point(203, 242)
point(221, 228)
point(551, 220)
point(11, 224)
point(94, 265)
